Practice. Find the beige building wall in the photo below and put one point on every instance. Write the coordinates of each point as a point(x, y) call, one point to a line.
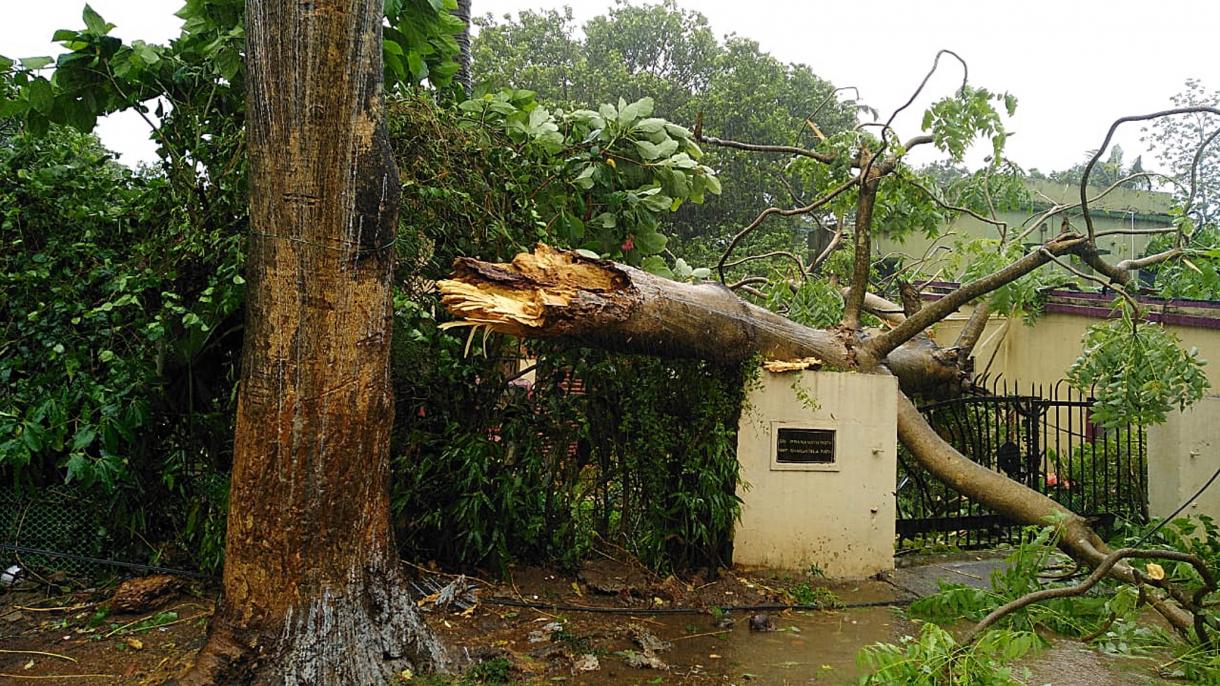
point(1042, 353)
point(1183, 453)
point(837, 516)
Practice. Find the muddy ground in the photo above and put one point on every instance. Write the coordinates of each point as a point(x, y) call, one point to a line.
point(661, 631)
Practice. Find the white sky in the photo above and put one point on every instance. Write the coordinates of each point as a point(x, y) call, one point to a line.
point(1076, 65)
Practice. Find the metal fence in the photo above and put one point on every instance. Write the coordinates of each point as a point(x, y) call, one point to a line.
point(1042, 437)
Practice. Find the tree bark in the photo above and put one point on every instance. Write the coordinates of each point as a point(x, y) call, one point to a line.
point(312, 589)
point(554, 293)
point(558, 294)
point(463, 40)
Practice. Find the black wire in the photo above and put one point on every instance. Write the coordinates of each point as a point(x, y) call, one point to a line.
point(22, 550)
point(772, 607)
point(1178, 511)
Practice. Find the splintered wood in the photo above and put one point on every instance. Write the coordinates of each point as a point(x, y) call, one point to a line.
point(784, 366)
point(516, 298)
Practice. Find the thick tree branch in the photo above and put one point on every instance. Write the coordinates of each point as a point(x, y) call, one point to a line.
point(970, 333)
point(1019, 503)
point(865, 201)
point(883, 309)
point(558, 294)
point(1088, 253)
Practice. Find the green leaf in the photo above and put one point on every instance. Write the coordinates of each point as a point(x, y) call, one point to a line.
point(651, 125)
point(40, 95)
point(650, 242)
point(83, 438)
point(94, 22)
point(585, 179)
point(33, 63)
point(655, 264)
point(392, 47)
point(653, 151)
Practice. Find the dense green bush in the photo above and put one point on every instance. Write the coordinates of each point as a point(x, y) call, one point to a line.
point(118, 342)
point(122, 333)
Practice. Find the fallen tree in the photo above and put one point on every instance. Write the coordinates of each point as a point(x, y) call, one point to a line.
point(553, 293)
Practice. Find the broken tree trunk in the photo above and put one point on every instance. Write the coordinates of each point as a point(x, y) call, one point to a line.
point(313, 590)
point(559, 294)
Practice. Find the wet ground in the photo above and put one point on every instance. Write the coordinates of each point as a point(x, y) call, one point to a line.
point(657, 630)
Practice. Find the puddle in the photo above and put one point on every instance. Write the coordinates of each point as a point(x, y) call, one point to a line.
point(805, 648)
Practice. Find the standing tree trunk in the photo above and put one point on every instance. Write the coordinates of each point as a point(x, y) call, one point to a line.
point(313, 592)
point(463, 39)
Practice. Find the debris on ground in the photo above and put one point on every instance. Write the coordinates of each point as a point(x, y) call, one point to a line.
point(761, 622)
point(611, 578)
point(461, 593)
point(586, 663)
point(145, 594)
point(546, 633)
point(649, 646)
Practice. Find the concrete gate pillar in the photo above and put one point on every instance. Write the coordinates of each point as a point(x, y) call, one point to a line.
point(1183, 453)
point(818, 454)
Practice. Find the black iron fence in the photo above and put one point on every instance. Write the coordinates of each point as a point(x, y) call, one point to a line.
point(1043, 437)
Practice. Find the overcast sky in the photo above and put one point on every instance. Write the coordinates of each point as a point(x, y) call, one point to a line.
point(1075, 65)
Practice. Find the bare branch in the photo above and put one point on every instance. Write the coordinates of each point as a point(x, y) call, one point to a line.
point(1135, 232)
point(1140, 263)
point(954, 208)
point(830, 248)
point(882, 308)
point(865, 201)
point(1194, 171)
point(800, 264)
point(973, 330)
point(1099, 572)
point(1091, 257)
point(748, 281)
point(1057, 208)
point(1088, 168)
point(823, 157)
point(1135, 306)
point(838, 190)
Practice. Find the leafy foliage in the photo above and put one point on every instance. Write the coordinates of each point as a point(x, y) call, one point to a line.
point(117, 350)
point(1137, 373)
point(607, 174)
point(935, 658)
point(644, 456)
point(956, 121)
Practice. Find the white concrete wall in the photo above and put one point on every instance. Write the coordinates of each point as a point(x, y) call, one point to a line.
point(839, 517)
point(1183, 453)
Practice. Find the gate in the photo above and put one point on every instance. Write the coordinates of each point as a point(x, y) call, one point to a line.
point(1041, 437)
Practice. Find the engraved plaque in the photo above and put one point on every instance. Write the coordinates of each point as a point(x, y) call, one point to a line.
point(805, 446)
